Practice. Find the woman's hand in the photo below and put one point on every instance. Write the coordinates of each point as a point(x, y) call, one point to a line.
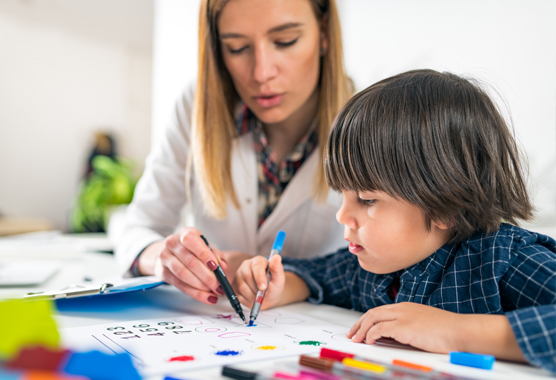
point(184, 260)
point(425, 327)
point(251, 277)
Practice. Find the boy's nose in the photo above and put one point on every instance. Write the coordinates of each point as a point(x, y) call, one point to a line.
point(343, 217)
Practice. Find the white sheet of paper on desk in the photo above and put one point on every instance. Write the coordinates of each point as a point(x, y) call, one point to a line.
point(26, 272)
point(191, 342)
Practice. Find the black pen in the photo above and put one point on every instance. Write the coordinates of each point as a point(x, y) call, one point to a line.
point(221, 277)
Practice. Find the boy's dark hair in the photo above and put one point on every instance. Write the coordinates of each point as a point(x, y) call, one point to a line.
point(435, 140)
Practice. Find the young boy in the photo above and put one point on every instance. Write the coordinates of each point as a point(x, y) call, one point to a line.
point(429, 171)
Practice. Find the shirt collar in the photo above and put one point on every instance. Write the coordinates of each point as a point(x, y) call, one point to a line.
point(439, 260)
point(247, 122)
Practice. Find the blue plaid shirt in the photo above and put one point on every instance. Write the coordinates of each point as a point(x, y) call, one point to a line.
point(511, 272)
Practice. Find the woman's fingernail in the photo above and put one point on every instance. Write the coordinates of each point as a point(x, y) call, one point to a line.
point(212, 265)
point(213, 299)
point(262, 286)
point(220, 290)
point(224, 260)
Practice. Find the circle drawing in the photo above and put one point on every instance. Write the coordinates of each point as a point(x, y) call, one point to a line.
point(210, 329)
point(341, 337)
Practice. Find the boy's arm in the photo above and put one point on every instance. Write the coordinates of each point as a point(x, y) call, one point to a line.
point(528, 289)
point(332, 279)
point(295, 290)
point(488, 334)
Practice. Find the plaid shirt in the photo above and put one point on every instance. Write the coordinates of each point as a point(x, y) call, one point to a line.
point(273, 179)
point(511, 272)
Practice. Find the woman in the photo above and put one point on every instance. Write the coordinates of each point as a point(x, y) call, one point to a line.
point(245, 150)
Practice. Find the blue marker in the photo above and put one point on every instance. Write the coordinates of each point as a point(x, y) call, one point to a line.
point(472, 360)
point(276, 249)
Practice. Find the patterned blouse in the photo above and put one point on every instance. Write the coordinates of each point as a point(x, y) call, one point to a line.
point(273, 178)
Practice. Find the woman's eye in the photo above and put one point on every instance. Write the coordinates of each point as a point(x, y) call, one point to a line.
point(286, 43)
point(236, 51)
point(366, 202)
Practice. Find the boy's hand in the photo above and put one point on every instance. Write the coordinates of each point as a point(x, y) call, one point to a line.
point(420, 326)
point(251, 277)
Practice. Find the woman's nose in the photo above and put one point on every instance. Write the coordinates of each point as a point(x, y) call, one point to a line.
point(265, 67)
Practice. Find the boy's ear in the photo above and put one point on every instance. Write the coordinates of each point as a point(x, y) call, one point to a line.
point(440, 225)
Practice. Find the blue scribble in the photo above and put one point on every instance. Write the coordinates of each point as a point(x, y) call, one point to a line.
point(228, 353)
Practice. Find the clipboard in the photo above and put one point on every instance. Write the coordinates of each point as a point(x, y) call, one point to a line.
point(110, 286)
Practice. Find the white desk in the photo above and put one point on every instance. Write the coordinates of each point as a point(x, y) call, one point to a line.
point(167, 302)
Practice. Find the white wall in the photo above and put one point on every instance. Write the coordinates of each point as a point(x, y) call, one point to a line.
point(174, 56)
point(58, 84)
point(510, 44)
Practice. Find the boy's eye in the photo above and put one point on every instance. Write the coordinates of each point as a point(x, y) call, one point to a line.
point(286, 43)
point(366, 202)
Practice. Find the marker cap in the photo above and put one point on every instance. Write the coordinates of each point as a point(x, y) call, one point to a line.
point(279, 241)
point(327, 353)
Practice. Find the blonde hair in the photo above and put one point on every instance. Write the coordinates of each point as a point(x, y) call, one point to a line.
point(213, 125)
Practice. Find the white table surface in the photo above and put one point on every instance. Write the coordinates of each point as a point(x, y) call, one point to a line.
point(167, 302)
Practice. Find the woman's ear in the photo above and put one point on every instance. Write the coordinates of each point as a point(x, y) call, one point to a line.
point(324, 35)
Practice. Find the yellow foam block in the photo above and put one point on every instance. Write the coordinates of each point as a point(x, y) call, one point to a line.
point(26, 323)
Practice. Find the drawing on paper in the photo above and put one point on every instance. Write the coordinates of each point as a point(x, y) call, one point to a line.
point(212, 329)
point(267, 347)
point(184, 358)
point(341, 337)
point(311, 343)
point(199, 341)
point(234, 334)
point(288, 320)
point(250, 327)
point(195, 321)
point(228, 353)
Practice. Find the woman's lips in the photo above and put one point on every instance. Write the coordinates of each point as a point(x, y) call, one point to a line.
point(355, 248)
point(268, 101)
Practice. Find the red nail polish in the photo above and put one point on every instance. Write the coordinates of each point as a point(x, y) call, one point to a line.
point(212, 265)
point(213, 299)
point(220, 290)
point(223, 259)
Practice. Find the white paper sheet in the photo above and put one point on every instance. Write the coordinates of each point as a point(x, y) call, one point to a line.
point(163, 346)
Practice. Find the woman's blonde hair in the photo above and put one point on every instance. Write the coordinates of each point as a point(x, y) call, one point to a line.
point(213, 126)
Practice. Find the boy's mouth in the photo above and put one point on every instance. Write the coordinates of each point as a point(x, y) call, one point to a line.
point(355, 248)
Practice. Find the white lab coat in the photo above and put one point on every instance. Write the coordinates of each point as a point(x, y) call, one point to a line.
point(157, 207)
